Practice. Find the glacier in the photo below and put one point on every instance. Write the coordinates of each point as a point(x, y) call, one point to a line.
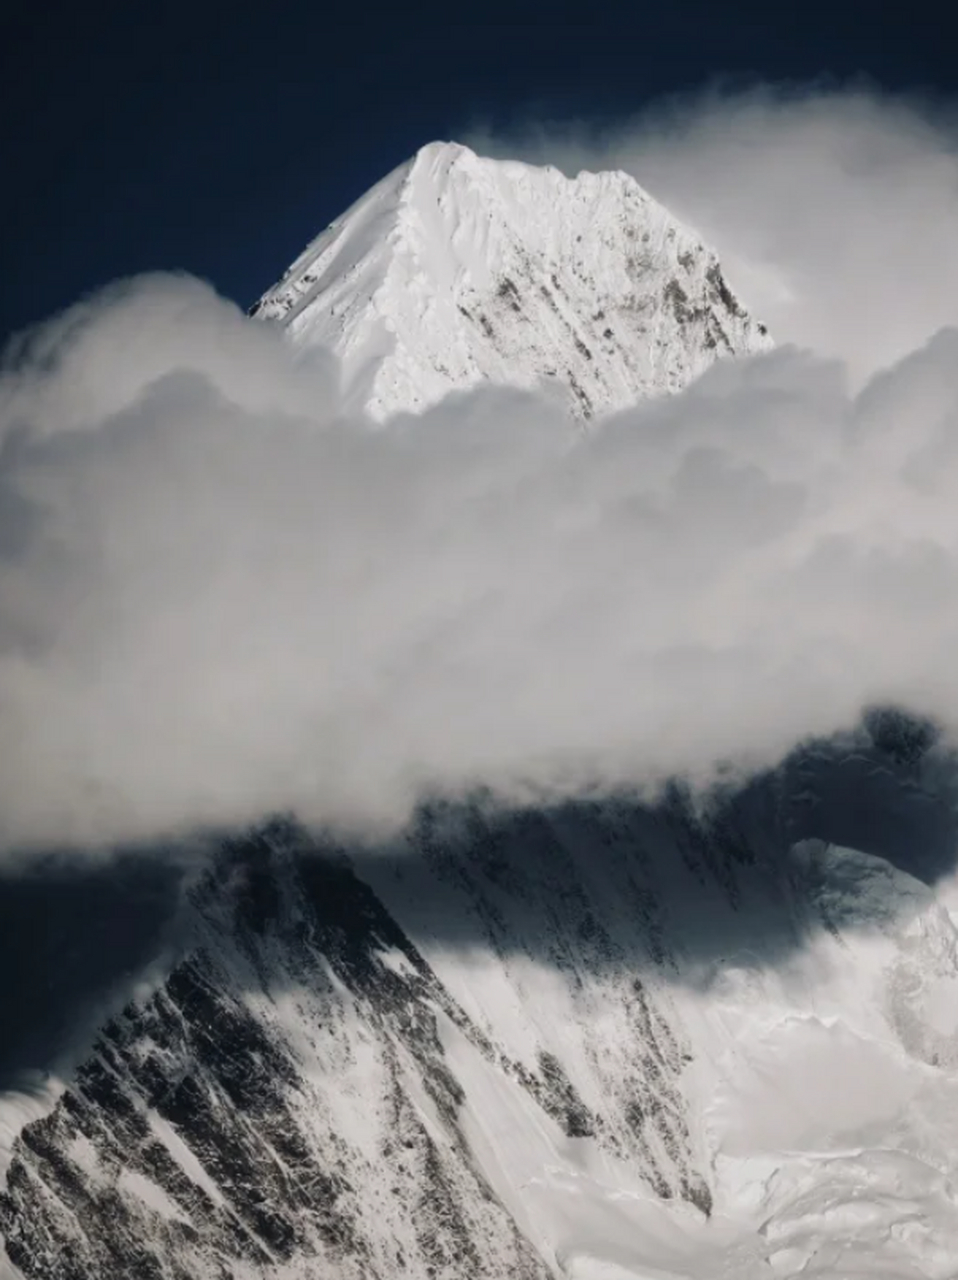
point(599, 1041)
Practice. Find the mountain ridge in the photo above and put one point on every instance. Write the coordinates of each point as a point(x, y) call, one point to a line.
point(455, 269)
point(322, 1081)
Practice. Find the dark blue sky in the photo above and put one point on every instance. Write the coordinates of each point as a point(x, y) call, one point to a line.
point(220, 138)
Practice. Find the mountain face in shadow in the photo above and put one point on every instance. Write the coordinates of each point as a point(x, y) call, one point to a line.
point(357, 1051)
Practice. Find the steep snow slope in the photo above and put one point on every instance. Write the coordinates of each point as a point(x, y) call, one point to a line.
point(503, 1050)
point(287, 1099)
point(456, 269)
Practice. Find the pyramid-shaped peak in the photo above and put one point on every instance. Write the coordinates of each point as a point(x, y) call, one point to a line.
point(457, 269)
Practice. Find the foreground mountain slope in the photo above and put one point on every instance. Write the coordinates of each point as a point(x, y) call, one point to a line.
point(457, 269)
point(291, 1094)
point(597, 1042)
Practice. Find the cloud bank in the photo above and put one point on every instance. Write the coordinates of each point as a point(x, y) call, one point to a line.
point(221, 597)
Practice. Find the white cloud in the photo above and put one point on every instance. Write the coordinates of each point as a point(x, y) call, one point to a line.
point(218, 597)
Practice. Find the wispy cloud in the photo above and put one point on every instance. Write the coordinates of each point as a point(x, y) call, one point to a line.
point(834, 210)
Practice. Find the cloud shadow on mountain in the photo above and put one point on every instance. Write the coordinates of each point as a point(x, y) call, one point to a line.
point(585, 884)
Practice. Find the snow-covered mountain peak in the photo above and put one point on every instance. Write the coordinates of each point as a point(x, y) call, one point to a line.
point(455, 269)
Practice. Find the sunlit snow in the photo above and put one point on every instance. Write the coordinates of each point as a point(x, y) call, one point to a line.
point(456, 269)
